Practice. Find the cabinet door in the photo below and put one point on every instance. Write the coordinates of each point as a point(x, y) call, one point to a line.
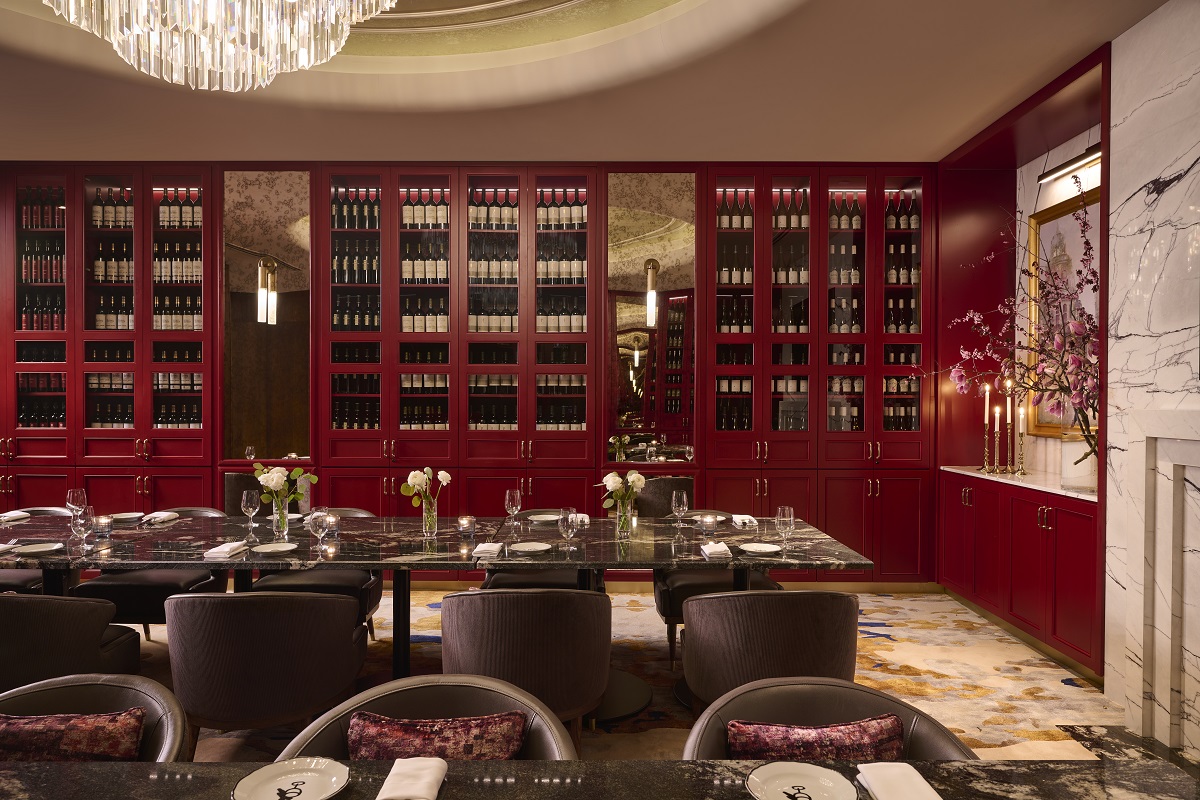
point(357, 488)
point(989, 556)
point(1075, 600)
point(112, 491)
point(845, 511)
point(558, 488)
point(735, 491)
point(482, 493)
point(955, 535)
point(40, 409)
point(177, 488)
point(904, 541)
point(798, 490)
point(33, 487)
point(1027, 563)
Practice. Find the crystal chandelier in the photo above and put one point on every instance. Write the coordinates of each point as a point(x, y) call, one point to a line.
point(233, 45)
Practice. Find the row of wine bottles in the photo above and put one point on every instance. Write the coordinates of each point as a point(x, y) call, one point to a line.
point(355, 353)
point(901, 417)
point(735, 354)
point(789, 317)
point(736, 213)
point(181, 416)
point(42, 413)
point(110, 382)
point(429, 383)
point(847, 216)
point(423, 354)
point(902, 384)
point(736, 384)
point(179, 382)
point(561, 209)
point(564, 417)
point(44, 352)
point(845, 318)
point(901, 214)
point(493, 210)
point(906, 318)
point(42, 207)
point(359, 266)
point(175, 353)
point(735, 414)
point(789, 214)
point(560, 263)
point(41, 382)
point(359, 415)
point(674, 358)
point(354, 208)
point(492, 310)
point(355, 383)
point(845, 356)
point(113, 266)
point(902, 269)
point(435, 417)
point(42, 261)
point(113, 212)
point(790, 415)
point(791, 384)
point(561, 384)
point(673, 402)
point(560, 315)
point(355, 312)
point(491, 416)
point(179, 315)
point(557, 353)
point(183, 264)
point(426, 268)
point(420, 315)
point(844, 417)
point(734, 316)
point(424, 209)
point(791, 270)
point(175, 211)
point(42, 313)
point(736, 267)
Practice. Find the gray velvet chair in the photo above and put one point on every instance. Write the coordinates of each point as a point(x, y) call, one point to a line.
point(736, 638)
point(553, 643)
point(29, 581)
point(261, 659)
point(365, 586)
point(163, 728)
point(44, 637)
point(819, 701)
point(438, 697)
point(140, 594)
point(654, 500)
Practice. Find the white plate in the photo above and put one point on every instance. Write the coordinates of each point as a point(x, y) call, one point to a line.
point(720, 517)
point(783, 780)
point(529, 547)
point(758, 547)
point(275, 547)
point(39, 547)
point(543, 517)
point(127, 516)
point(316, 778)
point(290, 516)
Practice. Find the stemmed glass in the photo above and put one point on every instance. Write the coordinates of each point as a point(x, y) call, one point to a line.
point(785, 523)
point(249, 452)
point(82, 523)
point(76, 501)
point(568, 522)
point(512, 504)
point(251, 503)
point(679, 505)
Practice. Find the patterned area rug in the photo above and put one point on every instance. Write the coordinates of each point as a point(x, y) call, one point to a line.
point(1002, 698)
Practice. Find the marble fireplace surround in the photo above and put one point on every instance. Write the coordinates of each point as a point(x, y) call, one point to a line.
point(1164, 639)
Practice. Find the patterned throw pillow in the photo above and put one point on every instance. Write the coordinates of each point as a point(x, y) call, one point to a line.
point(876, 739)
point(495, 737)
point(72, 737)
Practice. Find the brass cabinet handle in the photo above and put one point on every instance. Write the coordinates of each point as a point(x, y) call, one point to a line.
point(878, 490)
point(12, 447)
point(868, 444)
point(1049, 519)
point(757, 451)
point(522, 449)
point(962, 499)
point(146, 452)
point(756, 492)
point(530, 450)
point(868, 487)
point(766, 452)
point(766, 488)
point(146, 485)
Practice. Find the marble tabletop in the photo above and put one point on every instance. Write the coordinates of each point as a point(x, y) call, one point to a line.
point(397, 543)
point(605, 780)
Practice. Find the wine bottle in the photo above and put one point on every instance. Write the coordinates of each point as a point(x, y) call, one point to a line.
point(735, 212)
point(723, 216)
point(834, 217)
point(902, 218)
point(748, 212)
point(889, 213)
point(804, 215)
point(844, 214)
point(855, 214)
point(834, 272)
point(914, 213)
point(892, 276)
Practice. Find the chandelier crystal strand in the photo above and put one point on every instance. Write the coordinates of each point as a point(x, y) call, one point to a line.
point(220, 44)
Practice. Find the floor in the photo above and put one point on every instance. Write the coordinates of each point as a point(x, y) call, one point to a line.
point(1003, 699)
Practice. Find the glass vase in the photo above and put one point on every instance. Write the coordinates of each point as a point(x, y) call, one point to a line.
point(279, 523)
point(429, 521)
point(624, 518)
point(1079, 469)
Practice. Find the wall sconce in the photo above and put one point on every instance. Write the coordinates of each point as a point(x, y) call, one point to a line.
point(637, 350)
point(268, 291)
point(1086, 158)
point(651, 292)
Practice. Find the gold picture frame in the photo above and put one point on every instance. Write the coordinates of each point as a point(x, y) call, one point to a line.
point(1057, 225)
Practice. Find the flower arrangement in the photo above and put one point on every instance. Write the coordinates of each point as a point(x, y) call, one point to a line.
point(619, 442)
point(1047, 345)
point(280, 487)
point(620, 492)
point(419, 487)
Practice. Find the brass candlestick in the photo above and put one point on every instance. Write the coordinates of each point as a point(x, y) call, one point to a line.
point(984, 468)
point(1008, 440)
point(1020, 454)
point(996, 464)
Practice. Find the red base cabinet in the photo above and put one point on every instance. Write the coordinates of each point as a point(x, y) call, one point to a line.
point(112, 490)
point(1033, 558)
point(483, 490)
point(847, 513)
point(29, 487)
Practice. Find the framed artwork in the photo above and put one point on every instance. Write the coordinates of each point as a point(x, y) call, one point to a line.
point(1055, 244)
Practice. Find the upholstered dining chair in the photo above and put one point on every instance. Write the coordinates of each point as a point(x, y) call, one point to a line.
point(45, 636)
point(735, 638)
point(673, 586)
point(819, 701)
point(365, 586)
point(542, 578)
point(163, 727)
point(260, 659)
point(654, 500)
point(46, 511)
point(29, 581)
point(438, 697)
point(139, 594)
point(553, 643)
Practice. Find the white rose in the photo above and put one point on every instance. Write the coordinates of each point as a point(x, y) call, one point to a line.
point(272, 481)
point(613, 482)
point(417, 480)
point(443, 477)
point(279, 471)
point(637, 481)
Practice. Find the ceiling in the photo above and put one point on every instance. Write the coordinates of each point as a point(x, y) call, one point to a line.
point(572, 80)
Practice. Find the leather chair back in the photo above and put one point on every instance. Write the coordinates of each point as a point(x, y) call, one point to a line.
point(818, 701)
point(655, 498)
point(734, 638)
point(553, 643)
point(197, 511)
point(351, 512)
point(262, 658)
point(47, 511)
point(165, 724)
point(235, 484)
point(45, 636)
point(437, 697)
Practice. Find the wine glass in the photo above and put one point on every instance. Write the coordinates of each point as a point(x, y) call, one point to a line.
point(250, 506)
point(679, 505)
point(249, 452)
point(785, 523)
point(512, 504)
point(76, 501)
point(82, 523)
point(568, 522)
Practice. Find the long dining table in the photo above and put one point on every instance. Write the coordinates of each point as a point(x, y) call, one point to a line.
point(397, 544)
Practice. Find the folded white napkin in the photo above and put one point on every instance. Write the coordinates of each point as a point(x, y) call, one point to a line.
point(413, 779)
point(487, 550)
point(157, 517)
point(13, 516)
point(225, 550)
point(6, 547)
point(715, 550)
point(745, 521)
point(895, 780)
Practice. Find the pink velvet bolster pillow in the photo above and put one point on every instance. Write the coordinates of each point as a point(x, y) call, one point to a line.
point(72, 737)
point(876, 739)
point(488, 738)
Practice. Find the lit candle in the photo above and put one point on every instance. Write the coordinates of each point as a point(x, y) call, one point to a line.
point(466, 524)
point(708, 522)
point(1020, 420)
point(997, 418)
point(1008, 401)
point(102, 526)
point(987, 403)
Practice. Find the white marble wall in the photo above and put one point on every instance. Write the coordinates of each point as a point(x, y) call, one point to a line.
point(1042, 453)
point(1154, 322)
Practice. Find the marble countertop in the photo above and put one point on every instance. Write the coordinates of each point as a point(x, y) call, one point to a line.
point(397, 543)
point(604, 780)
point(1041, 481)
